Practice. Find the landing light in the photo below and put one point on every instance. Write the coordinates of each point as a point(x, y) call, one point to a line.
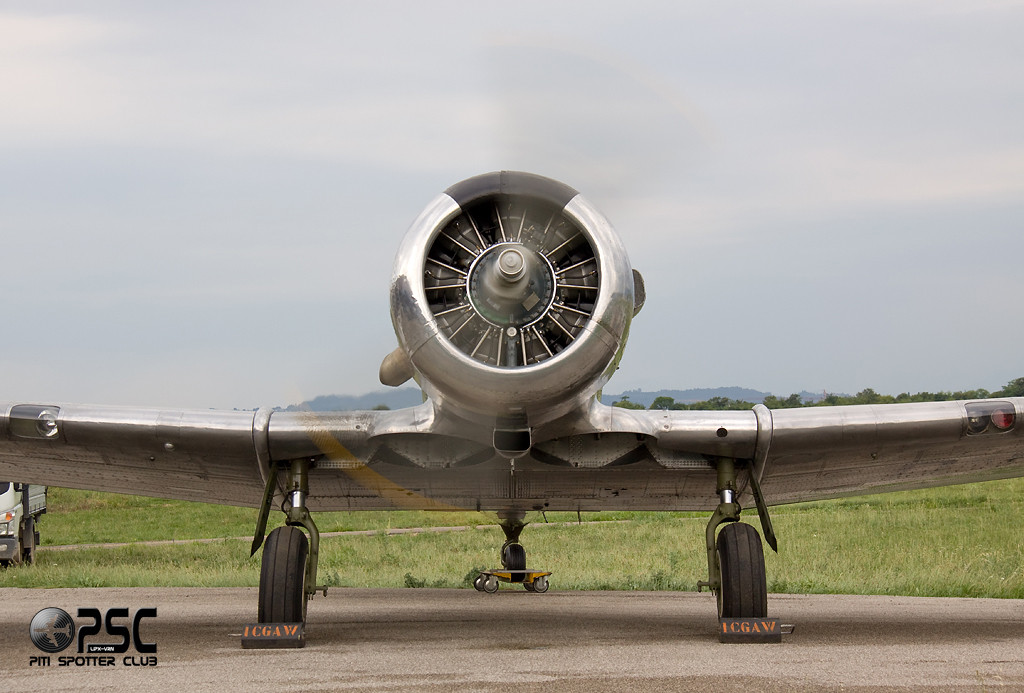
point(46, 423)
point(34, 421)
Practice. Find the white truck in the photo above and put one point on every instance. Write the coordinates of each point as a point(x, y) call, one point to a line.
point(20, 508)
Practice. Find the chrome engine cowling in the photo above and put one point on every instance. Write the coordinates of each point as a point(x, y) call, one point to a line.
point(511, 297)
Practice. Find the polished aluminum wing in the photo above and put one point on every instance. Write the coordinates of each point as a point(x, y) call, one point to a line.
point(599, 458)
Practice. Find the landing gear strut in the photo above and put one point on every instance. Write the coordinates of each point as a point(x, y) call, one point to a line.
point(736, 570)
point(288, 569)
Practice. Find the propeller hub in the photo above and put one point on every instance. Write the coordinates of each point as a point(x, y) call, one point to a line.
point(511, 264)
point(511, 285)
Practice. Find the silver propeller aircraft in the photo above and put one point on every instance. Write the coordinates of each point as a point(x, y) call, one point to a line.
point(512, 298)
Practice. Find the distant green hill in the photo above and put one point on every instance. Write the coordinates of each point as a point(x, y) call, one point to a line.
point(398, 398)
point(410, 397)
point(699, 395)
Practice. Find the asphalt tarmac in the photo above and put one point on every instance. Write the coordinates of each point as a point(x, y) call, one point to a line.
point(461, 640)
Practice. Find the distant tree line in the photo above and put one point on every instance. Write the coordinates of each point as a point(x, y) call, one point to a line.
point(1014, 388)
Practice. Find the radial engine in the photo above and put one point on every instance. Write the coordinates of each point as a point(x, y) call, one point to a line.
point(511, 298)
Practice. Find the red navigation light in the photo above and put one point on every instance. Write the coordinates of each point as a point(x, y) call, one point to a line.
point(1003, 419)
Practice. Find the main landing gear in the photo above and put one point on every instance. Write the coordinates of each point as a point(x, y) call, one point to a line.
point(288, 570)
point(736, 570)
point(513, 560)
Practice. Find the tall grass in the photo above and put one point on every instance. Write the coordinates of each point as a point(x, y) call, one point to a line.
point(957, 541)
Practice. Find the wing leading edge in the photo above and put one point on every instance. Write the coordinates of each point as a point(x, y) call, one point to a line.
point(816, 453)
point(200, 455)
point(224, 457)
point(606, 457)
point(828, 452)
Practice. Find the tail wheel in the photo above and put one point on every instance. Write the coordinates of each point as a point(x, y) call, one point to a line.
point(513, 557)
point(282, 596)
point(744, 591)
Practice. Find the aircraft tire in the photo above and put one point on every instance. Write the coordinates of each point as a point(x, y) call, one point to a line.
point(513, 557)
point(282, 596)
point(744, 591)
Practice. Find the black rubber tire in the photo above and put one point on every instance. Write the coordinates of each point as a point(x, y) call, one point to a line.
point(528, 586)
point(28, 548)
point(513, 557)
point(478, 582)
point(282, 596)
point(744, 591)
point(15, 558)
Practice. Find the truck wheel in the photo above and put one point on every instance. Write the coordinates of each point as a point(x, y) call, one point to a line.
point(15, 558)
point(29, 538)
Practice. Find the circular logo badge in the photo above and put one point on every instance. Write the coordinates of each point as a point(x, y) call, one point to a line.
point(52, 629)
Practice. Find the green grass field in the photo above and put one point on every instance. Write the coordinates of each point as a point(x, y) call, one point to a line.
point(964, 541)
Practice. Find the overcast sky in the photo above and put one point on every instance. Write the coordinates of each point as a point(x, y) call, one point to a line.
point(200, 202)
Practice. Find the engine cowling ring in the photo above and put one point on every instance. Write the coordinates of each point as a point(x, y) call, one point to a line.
point(511, 295)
